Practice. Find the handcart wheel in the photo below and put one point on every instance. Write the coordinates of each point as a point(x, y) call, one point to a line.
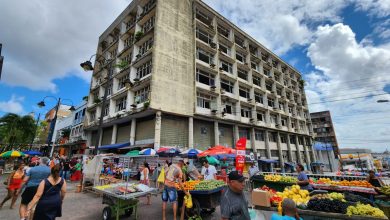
point(128, 212)
point(107, 213)
point(195, 210)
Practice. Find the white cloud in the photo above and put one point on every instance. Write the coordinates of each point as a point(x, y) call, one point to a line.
point(46, 40)
point(14, 105)
point(378, 8)
point(349, 69)
point(279, 24)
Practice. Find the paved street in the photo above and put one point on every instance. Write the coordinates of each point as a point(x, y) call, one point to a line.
point(83, 206)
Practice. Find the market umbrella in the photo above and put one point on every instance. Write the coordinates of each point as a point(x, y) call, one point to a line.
point(217, 150)
point(224, 156)
point(191, 153)
point(168, 152)
point(212, 160)
point(32, 153)
point(12, 153)
point(148, 151)
point(133, 153)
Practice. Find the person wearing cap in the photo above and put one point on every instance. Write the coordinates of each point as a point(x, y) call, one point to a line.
point(289, 211)
point(234, 205)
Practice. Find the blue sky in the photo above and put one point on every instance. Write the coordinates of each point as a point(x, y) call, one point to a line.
point(340, 46)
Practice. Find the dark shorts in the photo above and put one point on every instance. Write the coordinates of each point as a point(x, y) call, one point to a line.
point(169, 193)
point(28, 194)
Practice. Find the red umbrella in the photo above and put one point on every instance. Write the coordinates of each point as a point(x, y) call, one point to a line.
point(217, 150)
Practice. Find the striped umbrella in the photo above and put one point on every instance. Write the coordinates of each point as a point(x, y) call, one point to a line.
point(12, 153)
point(147, 151)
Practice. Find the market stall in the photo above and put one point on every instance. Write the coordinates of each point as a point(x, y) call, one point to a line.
point(121, 198)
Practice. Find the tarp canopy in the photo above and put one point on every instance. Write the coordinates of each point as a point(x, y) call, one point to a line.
point(31, 152)
point(268, 161)
point(217, 150)
point(133, 153)
point(323, 146)
point(114, 146)
point(317, 163)
point(289, 164)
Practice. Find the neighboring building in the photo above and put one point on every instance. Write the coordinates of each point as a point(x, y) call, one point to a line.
point(357, 159)
point(62, 113)
point(324, 130)
point(198, 81)
point(327, 161)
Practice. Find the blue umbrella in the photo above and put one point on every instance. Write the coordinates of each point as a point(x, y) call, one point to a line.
point(148, 151)
point(31, 152)
point(168, 152)
point(224, 156)
point(191, 153)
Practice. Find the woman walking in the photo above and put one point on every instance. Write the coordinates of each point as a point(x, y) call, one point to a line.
point(76, 176)
point(50, 194)
point(14, 183)
point(144, 179)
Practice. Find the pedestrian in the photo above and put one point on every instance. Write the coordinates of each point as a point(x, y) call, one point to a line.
point(14, 183)
point(52, 163)
point(76, 176)
point(289, 211)
point(234, 205)
point(208, 171)
point(173, 175)
point(155, 175)
point(32, 180)
point(303, 180)
point(144, 178)
point(49, 196)
point(65, 168)
point(253, 169)
point(192, 171)
point(2, 165)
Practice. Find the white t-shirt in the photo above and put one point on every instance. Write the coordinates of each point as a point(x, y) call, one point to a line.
point(209, 172)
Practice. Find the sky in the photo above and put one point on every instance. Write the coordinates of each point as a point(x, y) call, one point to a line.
point(341, 47)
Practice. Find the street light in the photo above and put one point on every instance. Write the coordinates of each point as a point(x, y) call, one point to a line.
point(53, 122)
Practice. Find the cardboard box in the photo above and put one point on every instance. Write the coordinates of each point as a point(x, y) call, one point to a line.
point(261, 198)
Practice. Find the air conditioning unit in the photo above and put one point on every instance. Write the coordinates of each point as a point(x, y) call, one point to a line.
point(134, 105)
point(213, 87)
point(221, 68)
point(252, 120)
point(244, 47)
point(213, 45)
point(249, 99)
point(214, 111)
point(136, 79)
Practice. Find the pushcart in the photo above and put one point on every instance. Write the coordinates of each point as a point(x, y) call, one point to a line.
point(119, 205)
point(204, 202)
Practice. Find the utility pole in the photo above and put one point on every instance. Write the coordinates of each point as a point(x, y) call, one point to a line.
point(1, 60)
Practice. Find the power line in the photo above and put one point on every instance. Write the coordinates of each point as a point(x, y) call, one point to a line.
point(355, 93)
point(337, 100)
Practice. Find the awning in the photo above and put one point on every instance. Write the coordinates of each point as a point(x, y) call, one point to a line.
point(114, 146)
point(268, 161)
point(129, 147)
point(289, 164)
point(317, 163)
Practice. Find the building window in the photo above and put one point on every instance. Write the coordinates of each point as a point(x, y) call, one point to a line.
point(112, 54)
point(273, 119)
point(284, 121)
point(229, 108)
point(149, 24)
point(225, 49)
point(292, 125)
point(144, 70)
point(256, 80)
point(227, 86)
point(240, 57)
point(239, 41)
point(283, 139)
point(268, 86)
point(266, 72)
point(93, 116)
point(127, 58)
point(203, 130)
point(122, 81)
point(129, 41)
point(243, 74)
point(290, 109)
point(223, 31)
point(203, 36)
point(245, 112)
point(258, 97)
point(109, 89)
point(142, 95)
point(227, 67)
point(204, 56)
point(260, 116)
point(278, 91)
point(271, 102)
point(203, 100)
point(259, 135)
point(201, 16)
point(146, 46)
point(277, 77)
point(272, 137)
point(121, 104)
point(254, 66)
point(244, 92)
point(274, 153)
point(221, 132)
point(204, 77)
point(106, 110)
point(281, 106)
point(244, 133)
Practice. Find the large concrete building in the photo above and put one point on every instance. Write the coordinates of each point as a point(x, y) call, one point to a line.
point(198, 81)
point(324, 130)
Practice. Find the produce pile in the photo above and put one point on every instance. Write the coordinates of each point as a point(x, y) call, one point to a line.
point(357, 199)
point(385, 190)
point(201, 185)
point(327, 205)
point(358, 183)
point(279, 178)
point(300, 197)
point(365, 210)
point(274, 198)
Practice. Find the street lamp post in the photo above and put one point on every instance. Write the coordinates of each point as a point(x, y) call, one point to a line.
point(54, 121)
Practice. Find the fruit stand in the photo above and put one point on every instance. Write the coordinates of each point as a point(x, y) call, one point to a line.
point(206, 196)
point(122, 199)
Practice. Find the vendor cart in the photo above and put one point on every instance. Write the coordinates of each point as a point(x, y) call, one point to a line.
point(203, 201)
point(121, 204)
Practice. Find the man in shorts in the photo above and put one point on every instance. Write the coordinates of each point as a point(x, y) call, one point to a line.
point(32, 180)
point(173, 174)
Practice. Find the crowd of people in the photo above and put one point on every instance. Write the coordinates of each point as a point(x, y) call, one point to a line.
point(41, 182)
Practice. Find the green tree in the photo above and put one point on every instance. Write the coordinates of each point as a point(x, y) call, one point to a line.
point(16, 130)
point(42, 132)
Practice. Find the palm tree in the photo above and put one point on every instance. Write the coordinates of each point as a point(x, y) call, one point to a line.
point(15, 129)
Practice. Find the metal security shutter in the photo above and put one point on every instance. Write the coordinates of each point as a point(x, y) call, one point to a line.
point(123, 133)
point(93, 138)
point(203, 134)
point(226, 135)
point(107, 135)
point(174, 131)
point(144, 130)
